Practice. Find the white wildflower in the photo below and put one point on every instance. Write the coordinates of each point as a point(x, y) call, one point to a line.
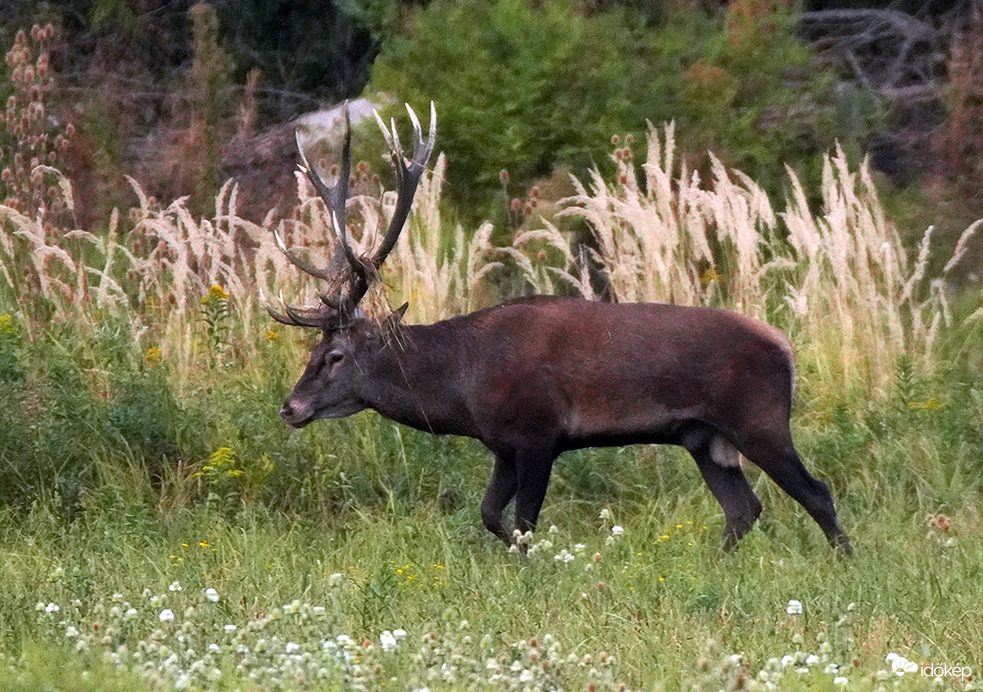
point(335, 579)
point(387, 640)
point(229, 628)
point(606, 514)
point(794, 607)
point(840, 680)
point(211, 594)
point(292, 647)
point(51, 608)
point(399, 634)
point(166, 615)
point(175, 586)
point(71, 631)
point(617, 530)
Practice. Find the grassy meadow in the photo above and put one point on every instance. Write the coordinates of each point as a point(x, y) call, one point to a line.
point(161, 528)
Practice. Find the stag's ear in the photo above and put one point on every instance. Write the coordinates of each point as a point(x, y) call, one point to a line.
point(394, 319)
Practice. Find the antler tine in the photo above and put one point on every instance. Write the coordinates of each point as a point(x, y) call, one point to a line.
point(293, 318)
point(335, 198)
point(282, 319)
point(300, 262)
point(423, 148)
point(302, 320)
point(408, 173)
point(385, 130)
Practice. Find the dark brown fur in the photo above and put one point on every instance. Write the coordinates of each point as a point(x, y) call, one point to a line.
point(533, 378)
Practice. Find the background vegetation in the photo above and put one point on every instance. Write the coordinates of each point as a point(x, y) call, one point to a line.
point(142, 461)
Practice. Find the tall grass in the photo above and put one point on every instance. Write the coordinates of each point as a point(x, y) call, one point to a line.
point(840, 280)
point(146, 349)
point(151, 330)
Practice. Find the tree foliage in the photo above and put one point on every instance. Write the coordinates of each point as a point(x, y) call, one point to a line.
point(528, 86)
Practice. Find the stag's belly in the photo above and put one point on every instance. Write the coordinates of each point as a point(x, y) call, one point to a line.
point(607, 423)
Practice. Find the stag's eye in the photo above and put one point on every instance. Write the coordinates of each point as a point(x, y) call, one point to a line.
point(335, 357)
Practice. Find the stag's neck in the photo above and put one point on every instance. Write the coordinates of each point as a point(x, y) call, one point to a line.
point(421, 373)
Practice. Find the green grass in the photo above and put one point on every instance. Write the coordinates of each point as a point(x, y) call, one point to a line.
point(120, 479)
point(663, 603)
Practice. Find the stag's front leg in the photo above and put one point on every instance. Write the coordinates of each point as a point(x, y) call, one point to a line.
point(500, 491)
point(533, 470)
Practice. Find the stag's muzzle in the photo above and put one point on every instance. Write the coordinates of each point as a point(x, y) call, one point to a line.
point(295, 413)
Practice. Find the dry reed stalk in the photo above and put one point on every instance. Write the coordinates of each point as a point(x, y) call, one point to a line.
point(840, 281)
point(852, 296)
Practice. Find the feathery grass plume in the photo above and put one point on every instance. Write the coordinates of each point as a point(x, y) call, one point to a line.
point(439, 274)
point(852, 297)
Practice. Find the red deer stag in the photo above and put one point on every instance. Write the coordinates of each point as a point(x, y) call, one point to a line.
point(534, 377)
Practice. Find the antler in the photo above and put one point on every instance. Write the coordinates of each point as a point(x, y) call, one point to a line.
point(408, 172)
point(335, 198)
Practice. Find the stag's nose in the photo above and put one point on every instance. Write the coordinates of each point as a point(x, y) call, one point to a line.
point(294, 413)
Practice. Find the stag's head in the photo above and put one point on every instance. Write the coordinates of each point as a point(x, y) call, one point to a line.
point(333, 384)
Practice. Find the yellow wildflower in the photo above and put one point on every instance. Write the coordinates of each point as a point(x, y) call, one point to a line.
point(6, 324)
point(218, 293)
point(152, 356)
point(272, 335)
point(709, 276)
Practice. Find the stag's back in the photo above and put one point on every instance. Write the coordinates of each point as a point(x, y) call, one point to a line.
point(624, 369)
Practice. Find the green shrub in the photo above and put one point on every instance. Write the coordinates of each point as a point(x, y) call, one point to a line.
point(518, 87)
point(528, 86)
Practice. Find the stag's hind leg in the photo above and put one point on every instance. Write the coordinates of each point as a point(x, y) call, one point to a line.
point(719, 462)
point(776, 456)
